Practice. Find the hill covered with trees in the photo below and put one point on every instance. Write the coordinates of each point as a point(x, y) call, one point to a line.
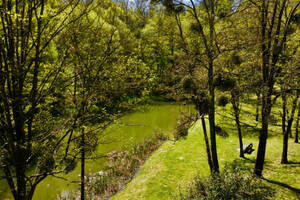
point(71, 69)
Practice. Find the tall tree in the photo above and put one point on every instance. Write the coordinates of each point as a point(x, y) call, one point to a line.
point(27, 77)
point(274, 26)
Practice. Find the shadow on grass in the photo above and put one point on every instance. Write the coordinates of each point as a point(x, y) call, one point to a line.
point(293, 189)
point(241, 163)
point(294, 163)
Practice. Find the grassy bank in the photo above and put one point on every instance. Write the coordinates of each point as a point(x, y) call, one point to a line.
point(173, 166)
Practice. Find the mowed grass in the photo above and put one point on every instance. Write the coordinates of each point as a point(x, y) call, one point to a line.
point(174, 165)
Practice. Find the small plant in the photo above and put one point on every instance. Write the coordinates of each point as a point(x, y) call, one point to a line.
point(237, 184)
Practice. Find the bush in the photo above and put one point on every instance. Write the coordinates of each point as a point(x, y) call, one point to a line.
point(224, 83)
point(189, 85)
point(221, 132)
point(183, 125)
point(237, 185)
point(202, 102)
point(223, 101)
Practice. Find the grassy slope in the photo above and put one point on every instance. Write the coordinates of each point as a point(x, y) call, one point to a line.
point(173, 166)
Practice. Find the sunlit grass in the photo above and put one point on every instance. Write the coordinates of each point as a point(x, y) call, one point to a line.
point(174, 165)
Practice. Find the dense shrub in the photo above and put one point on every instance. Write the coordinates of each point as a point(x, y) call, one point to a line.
point(235, 185)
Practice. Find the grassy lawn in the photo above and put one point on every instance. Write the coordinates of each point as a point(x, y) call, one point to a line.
point(173, 166)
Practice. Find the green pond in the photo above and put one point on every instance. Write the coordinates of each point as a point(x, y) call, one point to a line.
point(130, 129)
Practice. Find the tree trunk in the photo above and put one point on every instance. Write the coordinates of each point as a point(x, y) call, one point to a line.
point(82, 164)
point(235, 105)
point(10, 181)
point(20, 175)
point(283, 96)
point(257, 106)
point(19, 153)
point(284, 159)
point(210, 163)
point(284, 132)
point(267, 90)
point(297, 125)
point(212, 118)
point(291, 119)
point(237, 121)
point(260, 158)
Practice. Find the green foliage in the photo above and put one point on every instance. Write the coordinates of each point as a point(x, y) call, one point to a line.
point(236, 59)
point(237, 184)
point(183, 124)
point(189, 84)
point(70, 164)
point(290, 30)
point(195, 27)
point(201, 101)
point(223, 101)
point(224, 8)
point(46, 162)
point(296, 18)
point(224, 83)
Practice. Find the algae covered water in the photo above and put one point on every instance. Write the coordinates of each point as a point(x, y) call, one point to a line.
point(131, 129)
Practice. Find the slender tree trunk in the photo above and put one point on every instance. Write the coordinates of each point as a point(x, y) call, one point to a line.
point(236, 109)
point(210, 163)
point(237, 121)
point(284, 132)
point(284, 159)
point(257, 105)
point(283, 96)
point(290, 130)
point(82, 164)
point(212, 118)
point(297, 125)
point(10, 181)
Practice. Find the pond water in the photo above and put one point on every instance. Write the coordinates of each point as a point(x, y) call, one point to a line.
point(131, 129)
